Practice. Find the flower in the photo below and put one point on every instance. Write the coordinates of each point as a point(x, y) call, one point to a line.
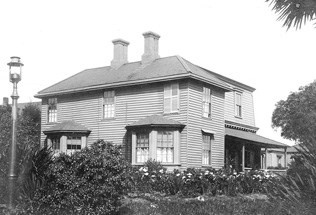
point(145, 169)
point(178, 174)
point(189, 174)
point(146, 173)
point(161, 171)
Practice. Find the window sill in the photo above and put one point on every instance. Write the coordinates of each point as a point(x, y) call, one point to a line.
point(51, 123)
point(206, 166)
point(108, 119)
point(238, 117)
point(172, 113)
point(208, 118)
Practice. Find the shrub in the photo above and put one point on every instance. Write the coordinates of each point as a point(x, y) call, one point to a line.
point(90, 181)
point(298, 187)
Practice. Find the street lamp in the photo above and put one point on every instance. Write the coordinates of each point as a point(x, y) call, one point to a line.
point(15, 74)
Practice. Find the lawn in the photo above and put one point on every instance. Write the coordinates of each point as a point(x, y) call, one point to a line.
point(241, 204)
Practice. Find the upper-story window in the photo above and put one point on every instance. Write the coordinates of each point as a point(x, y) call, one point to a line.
point(206, 102)
point(109, 104)
point(52, 110)
point(171, 98)
point(238, 104)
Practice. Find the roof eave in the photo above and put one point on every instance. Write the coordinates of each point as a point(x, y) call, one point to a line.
point(131, 83)
point(156, 126)
point(67, 131)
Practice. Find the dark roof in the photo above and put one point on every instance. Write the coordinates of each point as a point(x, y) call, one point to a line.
point(156, 121)
point(162, 69)
point(255, 138)
point(67, 126)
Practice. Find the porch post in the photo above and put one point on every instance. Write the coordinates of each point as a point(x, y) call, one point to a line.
point(243, 158)
point(285, 157)
point(265, 157)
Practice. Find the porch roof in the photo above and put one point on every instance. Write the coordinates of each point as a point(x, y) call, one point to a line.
point(156, 121)
point(65, 127)
point(255, 138)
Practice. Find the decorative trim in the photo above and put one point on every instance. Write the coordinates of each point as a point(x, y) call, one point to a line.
point(239, 126)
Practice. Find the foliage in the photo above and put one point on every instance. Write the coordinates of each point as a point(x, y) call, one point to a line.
point(296, 116)
point(298, 187)
point(294, 12)
point(90, 181)
point(28, 138)
point(194, 182)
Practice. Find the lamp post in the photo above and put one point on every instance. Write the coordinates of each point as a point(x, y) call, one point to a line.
point(15, 74)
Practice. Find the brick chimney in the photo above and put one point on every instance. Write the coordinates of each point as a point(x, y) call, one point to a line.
point(120, 53)
point(151, 47)
point(5, 101)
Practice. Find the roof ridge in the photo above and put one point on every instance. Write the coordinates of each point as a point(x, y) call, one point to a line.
point(184, 64)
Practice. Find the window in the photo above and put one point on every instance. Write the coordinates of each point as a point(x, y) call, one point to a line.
point(109, 104)
point(52, 110)
point(171, 98)
point(165, 147)
point(142, 147)
point(279, 160)
point(73, 143)
point(206, 149)
point(249, 158)
point(206, 102)
point(238, 107)
point(55, 143)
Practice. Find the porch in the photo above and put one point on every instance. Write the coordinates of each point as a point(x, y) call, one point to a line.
point(243, 150)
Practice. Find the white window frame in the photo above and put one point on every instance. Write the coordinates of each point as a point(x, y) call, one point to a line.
point(165, 146)
point(207, 142)
point(170, 99)
point(142, 147)
point(153, 138)
point(52, 110)
point(238, 105)
point(70, 142)
point(109, 104)
point(207, 102)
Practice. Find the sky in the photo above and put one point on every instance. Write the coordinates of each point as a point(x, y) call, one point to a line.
point(241, 40)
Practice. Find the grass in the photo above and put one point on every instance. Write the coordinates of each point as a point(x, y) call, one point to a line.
point(242, 204)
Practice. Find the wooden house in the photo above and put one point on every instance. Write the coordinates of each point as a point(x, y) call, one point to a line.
point(167, 109)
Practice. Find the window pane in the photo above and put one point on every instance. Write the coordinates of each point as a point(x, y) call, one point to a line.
point(175, 89)
point(167, 105)
point(142, 147)
point(108, 104)
point(165, 143)
point(174, 104)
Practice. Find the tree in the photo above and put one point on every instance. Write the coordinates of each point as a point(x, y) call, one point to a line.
point(296, 116)
point(294, 12)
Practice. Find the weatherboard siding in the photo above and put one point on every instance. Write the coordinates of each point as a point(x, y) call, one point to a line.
point(131, 104)
point(247, 108)
point(196, 122)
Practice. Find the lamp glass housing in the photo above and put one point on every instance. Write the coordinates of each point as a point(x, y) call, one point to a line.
point(15, 69)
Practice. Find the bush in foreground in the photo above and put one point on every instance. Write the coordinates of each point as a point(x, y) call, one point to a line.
point(90, 181)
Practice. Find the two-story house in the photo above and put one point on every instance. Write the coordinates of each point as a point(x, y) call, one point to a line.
point(167, 109)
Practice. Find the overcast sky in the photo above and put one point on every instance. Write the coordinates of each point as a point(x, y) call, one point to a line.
point(238, 39)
